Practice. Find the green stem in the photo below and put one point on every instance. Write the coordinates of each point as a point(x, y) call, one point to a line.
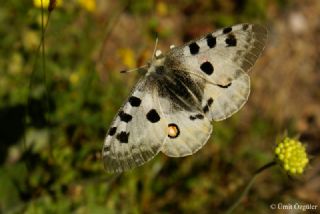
point(249, 185)
point(40, 50)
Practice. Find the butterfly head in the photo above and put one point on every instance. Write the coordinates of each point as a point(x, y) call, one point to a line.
point(156, 66)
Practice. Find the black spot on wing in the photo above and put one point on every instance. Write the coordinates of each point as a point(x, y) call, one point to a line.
point(194, 48)
point(123, 137)
point(205, 108)
point(153, 116)
point(112, 131)
point(208, 105)
point(134, 101)
point(125, 117)
point(211, 41)
point(225, 86)
point(207, 68)
point(231, 40)
point(227, 30)
point(197, 116)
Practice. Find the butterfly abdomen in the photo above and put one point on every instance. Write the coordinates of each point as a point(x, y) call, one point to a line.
point(182, 91)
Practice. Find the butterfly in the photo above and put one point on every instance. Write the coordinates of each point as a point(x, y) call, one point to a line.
point(172, 106)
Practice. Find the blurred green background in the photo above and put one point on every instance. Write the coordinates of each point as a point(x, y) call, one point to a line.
point(56, 106)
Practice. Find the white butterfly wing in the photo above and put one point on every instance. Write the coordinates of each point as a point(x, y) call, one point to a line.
point(222, 59)
point(193, 129)
point(136, 133)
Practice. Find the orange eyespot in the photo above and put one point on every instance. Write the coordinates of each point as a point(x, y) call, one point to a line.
point(173, 130)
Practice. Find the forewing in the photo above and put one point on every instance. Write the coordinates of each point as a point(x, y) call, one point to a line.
point(137, 132)
point(222, 58)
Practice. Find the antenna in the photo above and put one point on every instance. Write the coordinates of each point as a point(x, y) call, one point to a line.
point(155, 49)
point(156, 53)
point(131, 70)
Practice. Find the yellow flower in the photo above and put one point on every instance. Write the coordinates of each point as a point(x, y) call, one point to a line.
point(74, 78)
point(127, 57)
point(162, 8)
point(292, 156)
point(45, 3)
point(89, 5)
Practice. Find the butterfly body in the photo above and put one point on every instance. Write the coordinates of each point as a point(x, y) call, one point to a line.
point(171, 81)
point(172, 106)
